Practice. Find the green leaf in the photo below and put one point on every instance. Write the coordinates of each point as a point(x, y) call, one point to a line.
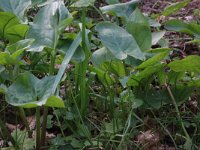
point(28, 91)
point(69, 54)
point(112, 1)
point(175, 7)
point(134, 80)
point(190, 64)
point(179, 26)
point(114, 67)
point(123, 10)
point(23, 44)
point(79, 54)
point(49, 22)
point(101, 55)
point(118, 41)
point(153, 60)
point(83, 3)
point(17, 7)
point(7, 20)
point(7, 59)
point(156, 36)
point(139, 28)
point(16, 32)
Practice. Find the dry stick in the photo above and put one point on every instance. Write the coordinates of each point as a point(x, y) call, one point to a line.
point(177, 111)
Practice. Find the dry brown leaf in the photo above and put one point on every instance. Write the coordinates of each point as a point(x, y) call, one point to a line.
point(148, 138)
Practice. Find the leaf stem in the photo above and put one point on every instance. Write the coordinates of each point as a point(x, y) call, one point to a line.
point(23, 117)
point(38, 128)
point(177, 111)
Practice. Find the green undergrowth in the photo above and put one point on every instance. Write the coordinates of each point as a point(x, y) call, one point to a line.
point(96, 75)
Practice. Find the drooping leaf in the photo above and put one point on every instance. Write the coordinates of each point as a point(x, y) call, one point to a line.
point(123, 10)
point(49, 22)
point(173, 8)
point(138, 27)
point(17, 7)
point(118, 41)
point(28, 91)
point(190, 63)
point(83, 3)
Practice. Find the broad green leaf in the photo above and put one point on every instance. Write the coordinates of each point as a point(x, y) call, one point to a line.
point(17, 7)
point(179, 26)
point(28, 91)
point(7, 59)
point(118, 41)
point(190, 64)
point(83, 3)
point(120, 10)
point(16, 32)
point(101, 55)
point(138, 27)
point(49, 22)
point(173, 8)
point(156, 36)
point(7, 20)
point(153, 60)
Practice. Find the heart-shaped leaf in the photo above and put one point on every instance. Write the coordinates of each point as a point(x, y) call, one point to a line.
point(119, 41)
point(50, 21)
point(28, 91)
point(138, 27)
